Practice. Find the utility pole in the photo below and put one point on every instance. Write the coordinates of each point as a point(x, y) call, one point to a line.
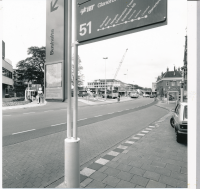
point(105, 78)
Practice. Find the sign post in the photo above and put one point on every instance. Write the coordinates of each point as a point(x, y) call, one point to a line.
point(72, 143)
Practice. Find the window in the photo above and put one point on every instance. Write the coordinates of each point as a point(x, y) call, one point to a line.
point(178, 83)
point(173, 83)
point(6, 73)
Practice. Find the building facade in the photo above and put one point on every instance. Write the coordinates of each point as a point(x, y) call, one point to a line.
point(7, 73)
point(168, 84)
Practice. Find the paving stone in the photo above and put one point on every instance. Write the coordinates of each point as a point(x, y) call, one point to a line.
point(125, 176)
point(95, 166)
point(125, 184)
point(152, 175)
point(87, 172)
point(168, 180)
point(179, 176)
point(124, 167)
point(137, 171)
point(183, 170)
point(122, 147)
point(112, 181)
point(158, 164)
point(103, 169)
point(174, 168)
point(163, 171)
point(126, 144)
point(118, 150)
point(96, 184)
point(139, 180)
point(112, 172)
point(108, 157)
point(102, 161)
point(98, 176)
point(129, 142)
point(112, 153)
point(182, 184)
point(86, 182)
point(154, 184)
point(125, 151)
point(136, 164)
point(112, 164)
point(148, 167)
point(138, 186)
point(154, 158)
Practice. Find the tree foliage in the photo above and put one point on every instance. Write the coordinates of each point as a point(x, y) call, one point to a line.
point(32, 68)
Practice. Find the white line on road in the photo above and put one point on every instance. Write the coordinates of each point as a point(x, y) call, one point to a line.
point(23, 131)
point(82, 119)
point(98, 116)
point(57, 124)
point(48, 111)
point(111, 113)
point(29, 113)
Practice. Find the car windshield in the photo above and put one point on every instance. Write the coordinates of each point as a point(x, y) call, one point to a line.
point(186, 112)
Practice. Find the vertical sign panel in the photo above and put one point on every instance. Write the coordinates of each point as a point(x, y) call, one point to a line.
point(54, 66)
point(97, 19)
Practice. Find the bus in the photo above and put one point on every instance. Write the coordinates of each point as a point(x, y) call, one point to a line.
point(111, 94)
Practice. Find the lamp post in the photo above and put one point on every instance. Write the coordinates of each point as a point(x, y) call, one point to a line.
point(105, 78)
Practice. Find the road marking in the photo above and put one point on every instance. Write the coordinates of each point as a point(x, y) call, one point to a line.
point(57, 124)
point(48, 111)
point(82, 119)
point(111, 113)
point(6, 115)
point(119, 111)
point(98, 116)
point(29, 113)
point(23, 132)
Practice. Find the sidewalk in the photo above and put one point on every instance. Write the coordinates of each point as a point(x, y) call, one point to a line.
point(150, 159)
point(32, 104)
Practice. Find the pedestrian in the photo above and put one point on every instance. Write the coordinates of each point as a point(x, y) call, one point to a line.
point(38, 98)
point(118, 98)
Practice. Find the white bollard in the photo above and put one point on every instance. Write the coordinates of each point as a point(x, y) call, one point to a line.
point(72, 169)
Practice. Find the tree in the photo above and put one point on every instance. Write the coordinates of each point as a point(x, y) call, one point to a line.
point(80, 75)
point(32, 68)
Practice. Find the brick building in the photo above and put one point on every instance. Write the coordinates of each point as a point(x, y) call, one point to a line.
point(168, 84)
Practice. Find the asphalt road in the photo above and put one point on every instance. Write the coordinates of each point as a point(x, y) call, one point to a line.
point(55, 114)
point(36, 158)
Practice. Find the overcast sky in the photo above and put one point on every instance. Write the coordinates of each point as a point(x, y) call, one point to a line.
point(149, 53)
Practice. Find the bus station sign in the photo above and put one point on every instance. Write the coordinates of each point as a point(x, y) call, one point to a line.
point(97, 19)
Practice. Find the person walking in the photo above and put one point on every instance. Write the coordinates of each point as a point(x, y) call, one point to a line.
point(118, 98)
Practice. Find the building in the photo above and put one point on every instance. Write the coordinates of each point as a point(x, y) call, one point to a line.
point(168, 84)
point(99, 85)
point(7, 73)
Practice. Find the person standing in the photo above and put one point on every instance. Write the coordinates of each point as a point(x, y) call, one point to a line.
point(118, 98)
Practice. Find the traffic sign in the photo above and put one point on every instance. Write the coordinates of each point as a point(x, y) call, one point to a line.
point(97, 19)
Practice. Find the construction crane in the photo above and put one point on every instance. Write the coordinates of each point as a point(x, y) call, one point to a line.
point(120, 64)
point(112, 94)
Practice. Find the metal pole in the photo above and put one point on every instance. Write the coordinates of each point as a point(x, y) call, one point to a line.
point(182, 82)
point(69, 68)
point(75, 114)
point(105, 79)
point(72, 144)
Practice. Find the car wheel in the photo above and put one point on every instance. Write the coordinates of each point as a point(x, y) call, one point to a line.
point(178, 137)
point(172, 122)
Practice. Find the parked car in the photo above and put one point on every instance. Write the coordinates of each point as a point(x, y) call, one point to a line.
point(134, 95)
point(145, 95)
point(152, 96)
point(179, 120)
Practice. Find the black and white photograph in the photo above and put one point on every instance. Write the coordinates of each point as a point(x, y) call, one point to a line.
point(95, 93)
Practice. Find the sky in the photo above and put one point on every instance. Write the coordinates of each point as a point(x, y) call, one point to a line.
point(149, 53)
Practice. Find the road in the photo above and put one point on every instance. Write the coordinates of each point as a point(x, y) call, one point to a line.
point(39, 153)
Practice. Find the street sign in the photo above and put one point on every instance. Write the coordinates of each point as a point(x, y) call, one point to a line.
point(97, 19)
point(55, 66)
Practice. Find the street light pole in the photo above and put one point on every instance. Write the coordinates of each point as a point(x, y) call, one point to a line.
point(105, 78)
